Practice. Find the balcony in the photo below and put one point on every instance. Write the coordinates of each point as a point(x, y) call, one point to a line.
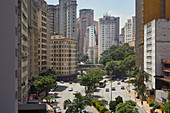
point(24, 74)
point(166, 61)
point(165, 69)
point(24, 43)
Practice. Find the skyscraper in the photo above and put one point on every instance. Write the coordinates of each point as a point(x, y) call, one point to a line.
point(129, 30)
point(23, 52)
point(8, 57)
point(67, 18)
point(86, 19)
point(54, 18)
point(146, 11)
point(108, 33)
point(43, 29)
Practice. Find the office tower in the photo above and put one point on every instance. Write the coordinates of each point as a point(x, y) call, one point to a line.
point(43, 30)
point(86, 19)
point(67, 18)
point(9, 45)
point(108, 33)
point(23, 52)
point(90, 43)
point(146, 11)
point(129, 30)
point(33, 35)
point(54, 18)
point(156, 48)
point(63, 57)
point(122, 37)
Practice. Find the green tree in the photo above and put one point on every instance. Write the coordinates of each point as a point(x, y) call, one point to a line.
point(127, 107)
point(103, 102)
point(45, 83)
point(82, 57)
point(77, 105)
point(165, 109)
point(119, 99)
point(112, 68)
point(112, 106)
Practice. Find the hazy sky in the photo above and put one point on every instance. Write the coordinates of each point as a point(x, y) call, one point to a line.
point(122, 8)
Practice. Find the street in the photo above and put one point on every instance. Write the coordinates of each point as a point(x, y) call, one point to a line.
point(100, 93)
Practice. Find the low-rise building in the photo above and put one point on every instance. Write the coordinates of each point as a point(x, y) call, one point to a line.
point(63, 57)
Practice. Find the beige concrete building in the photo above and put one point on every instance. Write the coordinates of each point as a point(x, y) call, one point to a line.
point(33, 34)
point(8, 57)
point(23, 51)
point(43, 30)
point(54, 18)
point(63, 57)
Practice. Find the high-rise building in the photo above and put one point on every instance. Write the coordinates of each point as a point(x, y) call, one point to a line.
point(43, 39)
point(33, 34)
point(146, 11)
point(67, 18)
point(129, 30)
point(23, 52)
point(86, 19)
point(63, 57)
point(122, 37)
point(8, 57)
point(90, 43)
point(54, 18)
point(108, 33)
point(156, 48)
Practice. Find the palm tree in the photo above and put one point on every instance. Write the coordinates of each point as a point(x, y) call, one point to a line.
point(79, 103)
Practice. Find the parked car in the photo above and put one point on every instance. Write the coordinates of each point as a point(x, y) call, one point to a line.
point(51, 90)
point(122, 87)
point(58, 110)
point(75, 92)
point(62, 82)
point(70, 89)
point(118, 83)
point(107, 89)
point(113, 89)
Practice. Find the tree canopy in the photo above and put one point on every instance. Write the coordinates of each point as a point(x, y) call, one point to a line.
point(82, 57)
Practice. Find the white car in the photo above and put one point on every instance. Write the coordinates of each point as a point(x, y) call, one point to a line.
point(75, 92)
point(71, 89)
point(58, 110)
point(51, 90)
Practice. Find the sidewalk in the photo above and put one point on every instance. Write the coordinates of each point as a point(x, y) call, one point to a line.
point(145, 106)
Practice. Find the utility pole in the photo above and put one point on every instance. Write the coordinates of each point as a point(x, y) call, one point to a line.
point(111, 90)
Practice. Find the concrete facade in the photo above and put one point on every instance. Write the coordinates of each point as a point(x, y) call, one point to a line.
point(156, 47)
point(86, 19)
point(122, 37)
point(67, 18)
point(43, 39)
point(33, 34)
point(129, 30)
point(8, 48)
point(108, 33)
point(146, 11)
point(63, 57)
point(54, 18)
point(23, 52)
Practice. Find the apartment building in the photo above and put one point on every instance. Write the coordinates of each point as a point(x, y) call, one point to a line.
point(33, 35)
point(23, 52)
point(63, 57)
point(8, 57)
point(86, 19)
point(108, 32)
point(54, 18)
point(129, 30)
point(68, 18)
point(122, 37)
point(146, 11)
point(156, 47)
point(43, 40)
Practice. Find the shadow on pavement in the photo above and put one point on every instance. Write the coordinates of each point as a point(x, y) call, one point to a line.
point(60, 88)
point(97, 90)
point(97, 96)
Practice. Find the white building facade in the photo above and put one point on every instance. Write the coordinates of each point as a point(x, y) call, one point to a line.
point(156, 48)
point(129, 30)
point(108, 33)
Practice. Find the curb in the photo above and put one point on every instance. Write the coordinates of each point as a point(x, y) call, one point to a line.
point(94, 109)
point(136, 101)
